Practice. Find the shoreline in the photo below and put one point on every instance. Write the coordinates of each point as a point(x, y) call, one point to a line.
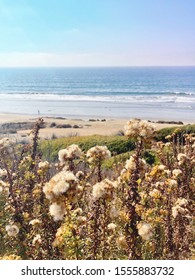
point(57, 127)
point(184, 111)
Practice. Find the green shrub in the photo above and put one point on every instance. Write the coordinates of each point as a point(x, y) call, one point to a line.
point(116, 144)
point(116, 160)
point(150, 157)
point(181, 130)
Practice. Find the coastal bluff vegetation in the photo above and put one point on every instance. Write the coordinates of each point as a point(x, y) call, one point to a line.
point(125, 196)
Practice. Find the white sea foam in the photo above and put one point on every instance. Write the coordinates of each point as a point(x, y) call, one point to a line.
point(115, 98)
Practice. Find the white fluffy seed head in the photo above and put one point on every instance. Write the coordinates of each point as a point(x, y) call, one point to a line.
point(71, 152)
point(57, 211)
point(12, 230)
point(139, 128)
point(145, 230)
point(98, 153)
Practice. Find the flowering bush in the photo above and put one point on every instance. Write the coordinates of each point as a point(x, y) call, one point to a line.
point(78, 210)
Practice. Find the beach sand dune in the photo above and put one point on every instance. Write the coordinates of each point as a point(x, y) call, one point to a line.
point(61, 127)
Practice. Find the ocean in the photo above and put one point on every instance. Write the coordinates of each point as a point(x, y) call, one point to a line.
point(158, 93)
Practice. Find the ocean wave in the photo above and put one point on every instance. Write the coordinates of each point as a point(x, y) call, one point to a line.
point(133, 97)
point(94, 91)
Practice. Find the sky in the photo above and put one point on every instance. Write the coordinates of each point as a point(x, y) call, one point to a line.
point(41, 33)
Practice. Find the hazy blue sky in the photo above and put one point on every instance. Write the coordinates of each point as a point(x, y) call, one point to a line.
point(97, 32)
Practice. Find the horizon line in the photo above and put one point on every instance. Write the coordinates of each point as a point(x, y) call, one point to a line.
point(97, 66)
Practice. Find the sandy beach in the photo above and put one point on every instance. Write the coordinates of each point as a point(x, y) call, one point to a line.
point(63, 127)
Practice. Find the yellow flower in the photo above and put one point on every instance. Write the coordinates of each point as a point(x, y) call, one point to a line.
point(26, 215)
point(163, 212)
point(154, 171)
point(158, 220)
point(10, 257)
point(139, 209)
point(40, 171)
point(150, 212)
point(124, 216)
